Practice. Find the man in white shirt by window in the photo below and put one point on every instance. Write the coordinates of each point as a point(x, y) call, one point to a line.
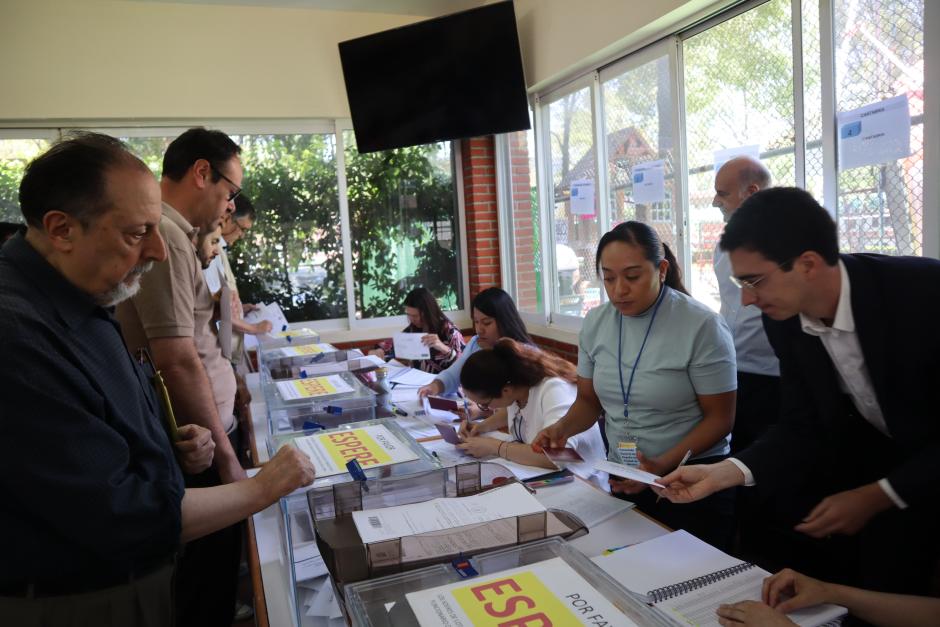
point(757, 404)
point(858, 345)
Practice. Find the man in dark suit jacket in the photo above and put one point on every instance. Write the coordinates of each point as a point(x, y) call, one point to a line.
point(859, 351)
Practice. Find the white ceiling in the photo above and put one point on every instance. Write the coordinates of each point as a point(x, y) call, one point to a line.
point(426, 8)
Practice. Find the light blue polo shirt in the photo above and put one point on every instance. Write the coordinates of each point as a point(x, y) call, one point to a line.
point(690, 351)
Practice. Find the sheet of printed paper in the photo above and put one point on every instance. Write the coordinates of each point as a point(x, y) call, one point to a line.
point(312, 387)
point(270, 312)
point(628, 472)
point(410, 346)
point(549, 592)
point(649, 182)
point(372, 445)
point(410, 377)
point(582, 197)
point(727, 154)
point(874, 134)
point(587, 503)
point(445, 513)
point(304, 350)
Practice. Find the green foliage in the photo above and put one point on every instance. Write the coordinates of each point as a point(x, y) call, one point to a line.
point(11, 171)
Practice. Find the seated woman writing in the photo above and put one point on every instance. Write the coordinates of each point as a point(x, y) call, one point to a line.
point(529, 390)
point(441, 335)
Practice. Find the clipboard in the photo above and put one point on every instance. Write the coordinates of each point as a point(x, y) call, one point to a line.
point(143, 356)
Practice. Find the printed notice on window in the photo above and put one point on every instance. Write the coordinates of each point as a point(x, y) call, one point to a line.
point(648, 182)
point(582, 197)
point(315, 387)
point(874, 134)
point(372, 446)
point(545, 593)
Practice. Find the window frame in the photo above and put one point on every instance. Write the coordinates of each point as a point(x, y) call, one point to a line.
point(345, 329)
point(670, 41)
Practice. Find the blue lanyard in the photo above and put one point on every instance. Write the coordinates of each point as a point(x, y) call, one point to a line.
point(626, 393)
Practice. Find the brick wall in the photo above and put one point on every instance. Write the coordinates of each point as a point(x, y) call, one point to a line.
point(523, 226)
point(479, 184)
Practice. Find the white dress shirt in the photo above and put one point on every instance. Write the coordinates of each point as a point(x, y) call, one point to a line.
point(841, 343)
point(752, 350)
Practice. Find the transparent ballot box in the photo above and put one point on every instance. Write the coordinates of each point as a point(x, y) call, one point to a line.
point(549, 573)
point(288, 337)
point(323, 401)
point(306, 568)
point(279, 358)
point(350, 559)
point(300, 367)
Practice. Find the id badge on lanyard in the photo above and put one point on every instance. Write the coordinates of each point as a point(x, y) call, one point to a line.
point(626, 451)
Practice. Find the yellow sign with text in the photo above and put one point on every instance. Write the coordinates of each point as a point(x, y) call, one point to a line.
point(355, 444)
point(517, 600)
point(311, 388)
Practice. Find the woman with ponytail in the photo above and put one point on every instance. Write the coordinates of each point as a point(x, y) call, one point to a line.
point(660, 366)
point(528, 390)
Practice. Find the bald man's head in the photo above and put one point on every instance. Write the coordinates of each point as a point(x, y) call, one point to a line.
point(737, 179)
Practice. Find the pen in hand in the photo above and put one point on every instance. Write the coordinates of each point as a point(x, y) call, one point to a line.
point(685, 458)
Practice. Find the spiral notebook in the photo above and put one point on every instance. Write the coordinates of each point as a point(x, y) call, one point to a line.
point(688, 579)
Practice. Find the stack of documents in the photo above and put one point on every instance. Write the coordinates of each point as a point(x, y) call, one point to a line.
point(688, 579)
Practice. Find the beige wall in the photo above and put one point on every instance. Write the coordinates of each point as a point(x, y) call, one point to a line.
point(101, 59)
point(561, 38)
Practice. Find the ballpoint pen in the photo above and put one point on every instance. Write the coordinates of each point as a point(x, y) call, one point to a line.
point(685, 458)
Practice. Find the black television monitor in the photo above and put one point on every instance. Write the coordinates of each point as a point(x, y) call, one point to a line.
point(446, 78)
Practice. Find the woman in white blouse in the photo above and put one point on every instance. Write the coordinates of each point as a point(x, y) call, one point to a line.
point(528, 390)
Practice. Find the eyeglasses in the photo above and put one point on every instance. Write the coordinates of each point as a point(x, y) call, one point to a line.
point(240, 226)
point(485, 406)
point(751, 283)
point(233, 194)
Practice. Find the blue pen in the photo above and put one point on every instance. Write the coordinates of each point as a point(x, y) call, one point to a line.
point(357, 473)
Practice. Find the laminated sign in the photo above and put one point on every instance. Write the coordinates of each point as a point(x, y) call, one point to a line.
point(314, 387)
point(372, 446)
point(546, 593)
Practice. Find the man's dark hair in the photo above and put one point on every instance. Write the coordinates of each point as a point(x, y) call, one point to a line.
point(198, 143)
point(71, 177)
point(243, 208)
point(781, 223)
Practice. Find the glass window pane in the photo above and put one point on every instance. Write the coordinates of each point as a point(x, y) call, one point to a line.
point(293, 254)
point(738, 92)
point(879, 54)
point(15, 154)
point(576, 221)
point(526, 223)
point(404, 222)
point(638, 113)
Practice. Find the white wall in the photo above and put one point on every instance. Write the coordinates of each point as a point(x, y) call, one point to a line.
point(107, 59)
point(562, 38)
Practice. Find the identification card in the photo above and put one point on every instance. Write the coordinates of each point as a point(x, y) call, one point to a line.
point(626, 451)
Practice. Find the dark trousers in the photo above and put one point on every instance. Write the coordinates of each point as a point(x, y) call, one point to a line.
point(897, 551)
point(710, 519)
point(757, 407)
point(207, 574)
point(144, 602)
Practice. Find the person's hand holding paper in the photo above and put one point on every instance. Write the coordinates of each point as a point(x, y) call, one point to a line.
point(410, 346)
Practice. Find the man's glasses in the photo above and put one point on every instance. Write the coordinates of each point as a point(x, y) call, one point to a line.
point(241, 226)
point(751, 283)
point(233, 194)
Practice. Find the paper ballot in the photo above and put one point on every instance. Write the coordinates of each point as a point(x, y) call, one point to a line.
point(439, 514)
point(628, 472)
point(372, 445)
point(314, 387)
point(545, 593)
point(409, 346)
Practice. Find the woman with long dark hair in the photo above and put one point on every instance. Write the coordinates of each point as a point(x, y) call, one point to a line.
point(442, 336)
point(528, 390)
point(661, 367)
point(494, 317)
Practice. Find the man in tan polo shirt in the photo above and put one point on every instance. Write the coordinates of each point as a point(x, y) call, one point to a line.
point(172, 315)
